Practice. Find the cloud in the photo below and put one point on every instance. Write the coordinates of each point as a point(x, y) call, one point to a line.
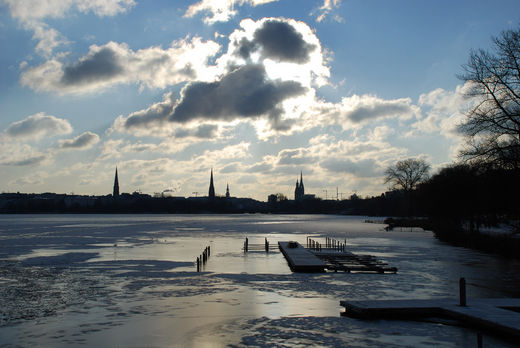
point(243, 93)
point(444, 110)
point(25, 10)
point(48, 38)
point(363, 108)
point(324, 10)
point(115, 63)
point(295, 157)
point(27, 161)
point(39, 125)
point(356, 111)
point(279, 40)
point(83, 141)
point(17, 154)
point(222, 10)
point(98, 65)
point(362, 168)
point(33, 179)
point(154, 116)
point(203, 131)
point(230, 168)
point(288, 49)
point(33, 13)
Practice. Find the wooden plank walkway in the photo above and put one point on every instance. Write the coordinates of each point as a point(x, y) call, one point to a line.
point(301, 259)
point(500, 315)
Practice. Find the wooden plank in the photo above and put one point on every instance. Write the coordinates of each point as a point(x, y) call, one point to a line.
point(300, 259)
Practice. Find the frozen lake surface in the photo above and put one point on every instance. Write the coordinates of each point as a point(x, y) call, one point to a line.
point(131, 281)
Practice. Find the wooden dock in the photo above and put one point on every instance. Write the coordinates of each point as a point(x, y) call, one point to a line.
point(497, 315)
point(321, 259)
point(352, 263)
point(300, 259)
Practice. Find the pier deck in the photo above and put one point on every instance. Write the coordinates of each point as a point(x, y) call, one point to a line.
point(497, 315)
point(301, 259)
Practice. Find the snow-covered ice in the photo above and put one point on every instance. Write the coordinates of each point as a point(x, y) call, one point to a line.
point(130, 280)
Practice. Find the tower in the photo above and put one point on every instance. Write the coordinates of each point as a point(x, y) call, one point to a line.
point(299, 191)
point(211, 193)
point(227, 191)
point(116, 186)
point(302, 189)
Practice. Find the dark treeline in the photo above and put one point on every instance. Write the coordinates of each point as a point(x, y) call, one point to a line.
point(462, 199)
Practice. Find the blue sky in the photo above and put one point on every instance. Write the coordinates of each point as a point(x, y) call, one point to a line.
point(258, 90)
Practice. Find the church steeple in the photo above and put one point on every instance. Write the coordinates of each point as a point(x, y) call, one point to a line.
point(227, 191)
point(211, 193)
point(116, 186)
point(299, 191)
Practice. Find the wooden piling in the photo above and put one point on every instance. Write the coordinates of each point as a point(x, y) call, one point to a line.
point(462, 292)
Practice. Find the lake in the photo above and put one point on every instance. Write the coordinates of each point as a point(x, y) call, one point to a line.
point(131, 280)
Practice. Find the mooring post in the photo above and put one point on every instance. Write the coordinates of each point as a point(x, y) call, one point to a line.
point(479, 340)
point(198, 264)
point(209, 250)
point(462, 292)
point(247, 244)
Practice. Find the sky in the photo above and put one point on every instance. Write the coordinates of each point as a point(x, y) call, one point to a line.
point(258, 91)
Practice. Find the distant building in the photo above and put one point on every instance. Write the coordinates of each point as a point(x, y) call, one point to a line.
point(211, 193)
point(227, 191)
point(116, 186)
point(299, 191)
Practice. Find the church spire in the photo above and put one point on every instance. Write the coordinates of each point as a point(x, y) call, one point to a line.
point(227, 191)
point(211, 193)
point(116, 186)
point(299, 191)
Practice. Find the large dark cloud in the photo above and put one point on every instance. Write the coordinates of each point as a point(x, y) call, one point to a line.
point(245, 92)
point(101, 65)
point(278, 40)
point(157, 113)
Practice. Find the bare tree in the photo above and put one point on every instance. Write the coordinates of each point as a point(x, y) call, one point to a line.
point(407, 174)
point(492, 125)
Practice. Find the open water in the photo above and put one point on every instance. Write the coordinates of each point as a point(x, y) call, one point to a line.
point(131, 281)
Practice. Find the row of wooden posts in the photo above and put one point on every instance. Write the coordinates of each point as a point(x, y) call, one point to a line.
point(312, 244)
point(203, 258)
point(330, 243)
point(246, 245)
